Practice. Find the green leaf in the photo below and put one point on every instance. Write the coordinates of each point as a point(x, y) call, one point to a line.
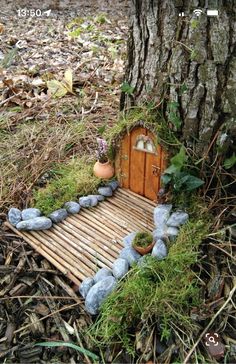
point(51, 344)
point(165, 179)
point(180, 158)
point(102, 129)
point(127, 88)
point(191, 182)
point(230, 162)
point(172, 169)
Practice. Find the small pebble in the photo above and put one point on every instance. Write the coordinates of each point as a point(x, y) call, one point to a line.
point(113, 184)
point(98, 293)
point(30, 213)
point(58, 215)
point(120, 268)
point(101, 274)
point(161, 214)
point(94, 200)
point(38, 223)
point(105, 191)
point(159, 250)
point(85, 201)
point(172, 233)
point(72, 207)
point(85, 286)
point(14, 216)
point(130, 255)
point(128, 239)
point(177, 219)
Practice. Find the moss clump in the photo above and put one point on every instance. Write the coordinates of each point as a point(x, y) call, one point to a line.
point(70, 181)
point(143, 239)
point(157, 292)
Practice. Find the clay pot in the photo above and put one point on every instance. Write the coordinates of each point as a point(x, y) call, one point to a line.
point(103, 170)
point(142, 250)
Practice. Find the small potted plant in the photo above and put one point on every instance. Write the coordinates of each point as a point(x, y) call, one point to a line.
point(143, 242)
point(103, 167)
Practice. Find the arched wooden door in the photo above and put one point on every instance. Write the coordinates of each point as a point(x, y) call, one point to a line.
point(140, 162)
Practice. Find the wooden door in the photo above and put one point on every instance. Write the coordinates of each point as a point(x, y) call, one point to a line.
point(140, 163)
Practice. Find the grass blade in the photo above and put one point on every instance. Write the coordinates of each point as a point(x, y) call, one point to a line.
point(51, 344)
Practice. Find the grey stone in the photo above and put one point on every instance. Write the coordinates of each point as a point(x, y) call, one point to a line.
point(160, 232)
point(120, 268)
point(14, 216)
point(161, 214)
point(85, 201)
point(113, 184)
point(128, 239)
point(159, 250)
point(58, 215)
point(72, 207)
point(38, 223)
point(105, 191)
point(98, 293)
point(30, 213)
point(100, 197)
point(85, 286)
point(177, 218)
point(101, 274)
point(94, 200)
point(172, 233)
point(130, 255)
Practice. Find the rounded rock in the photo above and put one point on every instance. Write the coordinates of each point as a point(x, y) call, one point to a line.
point(58, 215)
point(85, 201)
point(120, 268)
point(128, 239)
point(161, 214)
point(105, 191)
point(85, 286)
point(14, 216)
point(30, 213)
point(130, 255)
point(38, 223)
point(159, 250)
point(113, 184)
point(98, 293)
point(177, 219)
point(72, 207)
point(101, 274)
point(94, 200)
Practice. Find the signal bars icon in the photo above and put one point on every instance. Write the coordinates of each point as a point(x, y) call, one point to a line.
point(197, 12)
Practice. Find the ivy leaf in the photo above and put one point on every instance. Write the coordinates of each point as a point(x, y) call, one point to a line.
point(191, 182)
point(172, 169)
point(230, 162)
point(165, 179)
point(127, 88)
point(101, 129)
point(180, 158)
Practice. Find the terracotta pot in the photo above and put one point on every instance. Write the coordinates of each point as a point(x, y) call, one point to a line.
point(103, 170)
point(142, 250)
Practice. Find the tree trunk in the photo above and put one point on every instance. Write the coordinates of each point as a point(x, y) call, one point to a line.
point(189, 60)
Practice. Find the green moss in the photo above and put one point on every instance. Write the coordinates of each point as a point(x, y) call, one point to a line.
point(70, 181)
point(147, 117)
point(159, 291)
point(143, 239)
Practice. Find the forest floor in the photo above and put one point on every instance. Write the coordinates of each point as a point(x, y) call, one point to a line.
point(37, 130)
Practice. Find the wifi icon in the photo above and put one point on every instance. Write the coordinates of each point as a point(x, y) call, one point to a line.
point(197, 12)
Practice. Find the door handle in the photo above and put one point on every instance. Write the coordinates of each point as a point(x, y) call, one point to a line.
point(155, 170)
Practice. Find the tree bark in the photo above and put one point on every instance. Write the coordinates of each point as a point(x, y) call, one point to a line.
point(168, 53)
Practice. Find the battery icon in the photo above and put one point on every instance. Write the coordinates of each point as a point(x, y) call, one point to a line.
point(212, 12)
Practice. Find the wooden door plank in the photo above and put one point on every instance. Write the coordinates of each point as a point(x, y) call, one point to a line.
point(152, 172)
point(137, 163)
